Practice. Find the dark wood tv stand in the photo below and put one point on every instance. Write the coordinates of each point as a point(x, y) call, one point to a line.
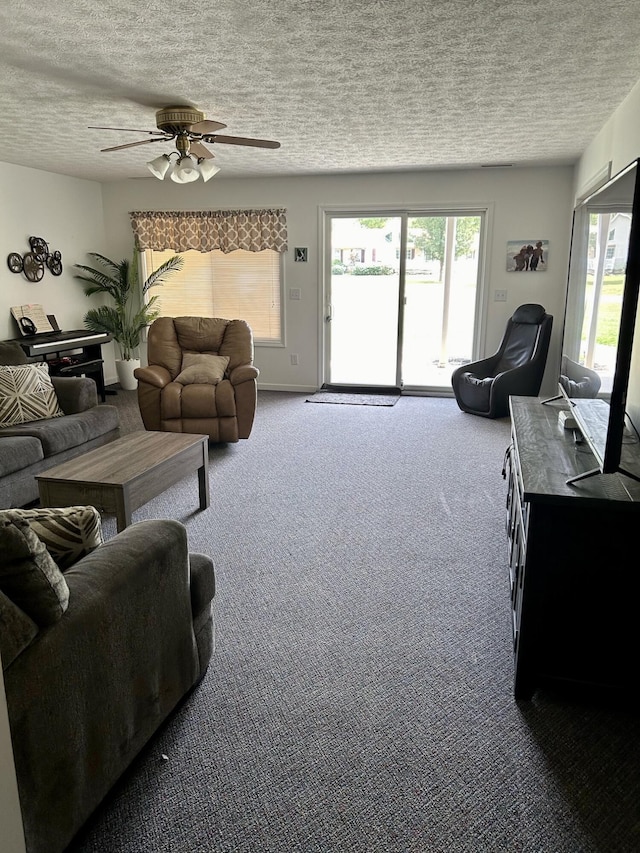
point(574, 576)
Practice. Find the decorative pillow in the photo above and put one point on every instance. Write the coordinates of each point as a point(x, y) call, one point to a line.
point(202, 369)
point(28, 575)
point(27, 394)
point(69, 533)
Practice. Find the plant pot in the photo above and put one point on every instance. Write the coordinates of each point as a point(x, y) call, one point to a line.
point(124, 369)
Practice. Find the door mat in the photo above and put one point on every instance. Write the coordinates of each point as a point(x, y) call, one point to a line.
point(354, 399)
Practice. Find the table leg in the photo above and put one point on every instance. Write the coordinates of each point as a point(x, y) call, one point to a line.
point(203, 477)
point(123, 510)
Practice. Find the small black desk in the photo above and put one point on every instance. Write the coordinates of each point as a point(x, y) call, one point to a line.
point(88, 360)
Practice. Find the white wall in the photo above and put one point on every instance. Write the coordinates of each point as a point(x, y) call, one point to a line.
point(617, 143)
point(524, 204)
point(78, 216)
point(67, 213)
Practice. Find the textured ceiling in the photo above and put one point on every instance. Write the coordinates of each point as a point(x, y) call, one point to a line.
point(350, 86)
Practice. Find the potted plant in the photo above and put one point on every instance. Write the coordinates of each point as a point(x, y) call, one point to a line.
point(131, 312)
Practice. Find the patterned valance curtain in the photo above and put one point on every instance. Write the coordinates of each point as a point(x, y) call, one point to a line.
point(227, 230)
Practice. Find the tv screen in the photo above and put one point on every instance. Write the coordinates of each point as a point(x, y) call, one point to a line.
point(600, 367)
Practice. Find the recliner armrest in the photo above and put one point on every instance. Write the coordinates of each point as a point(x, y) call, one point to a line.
point(153, 374)
point(243, 373)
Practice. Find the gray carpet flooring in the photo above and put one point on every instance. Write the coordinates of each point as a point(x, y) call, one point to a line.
point(360, 695)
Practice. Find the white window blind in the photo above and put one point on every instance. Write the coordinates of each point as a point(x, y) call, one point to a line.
point(239, 285)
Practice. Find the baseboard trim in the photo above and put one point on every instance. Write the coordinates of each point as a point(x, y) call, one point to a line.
point(299, 389)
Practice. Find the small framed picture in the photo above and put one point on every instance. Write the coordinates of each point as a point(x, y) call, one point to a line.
point(300, 255)
point(527, 255)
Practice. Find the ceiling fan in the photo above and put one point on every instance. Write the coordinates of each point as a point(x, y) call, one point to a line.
point(189, 128)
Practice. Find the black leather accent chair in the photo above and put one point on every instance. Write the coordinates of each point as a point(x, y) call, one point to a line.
point(578, 380)
point(484, 387)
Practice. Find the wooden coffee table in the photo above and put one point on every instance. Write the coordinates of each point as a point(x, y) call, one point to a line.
point(125, 474)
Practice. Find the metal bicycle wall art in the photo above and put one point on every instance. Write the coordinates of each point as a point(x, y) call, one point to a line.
point(34, 263)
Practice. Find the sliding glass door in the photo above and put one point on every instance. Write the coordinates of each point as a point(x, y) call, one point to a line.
point(441, 286)
point(401, 299)
point(364, 301)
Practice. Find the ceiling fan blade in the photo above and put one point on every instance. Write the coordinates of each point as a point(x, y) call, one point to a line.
point(206, 126)
point(127, 130)
point(200, 151)
point(132, 144)
point(241, 140)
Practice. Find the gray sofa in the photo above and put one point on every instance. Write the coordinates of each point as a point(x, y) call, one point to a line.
point(30, 448)
point(85, 693)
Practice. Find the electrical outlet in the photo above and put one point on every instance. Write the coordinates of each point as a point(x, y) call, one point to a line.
point(294, 359)
point(294, 293)
point(500, 296)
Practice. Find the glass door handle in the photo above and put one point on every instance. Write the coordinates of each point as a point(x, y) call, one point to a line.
point(329, 314)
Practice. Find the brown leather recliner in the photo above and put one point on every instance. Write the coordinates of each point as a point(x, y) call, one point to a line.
point(171, 395)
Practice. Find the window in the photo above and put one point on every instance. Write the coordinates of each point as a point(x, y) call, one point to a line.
point(233, 264)
point(235, 285)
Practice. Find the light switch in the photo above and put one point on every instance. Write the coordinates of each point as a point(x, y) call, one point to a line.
point(500, 296)
point(294, 293)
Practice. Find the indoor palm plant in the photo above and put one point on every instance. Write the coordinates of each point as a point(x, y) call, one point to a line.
point(131, 311)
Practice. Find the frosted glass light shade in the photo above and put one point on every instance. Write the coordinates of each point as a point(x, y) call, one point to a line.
point(160, 166)
point(208, 169)
point(185, 172)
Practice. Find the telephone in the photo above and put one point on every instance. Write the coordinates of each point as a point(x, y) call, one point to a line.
point(27, 326)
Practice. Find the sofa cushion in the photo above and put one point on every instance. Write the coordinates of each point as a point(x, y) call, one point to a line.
point(68, 533)
point(59, 434)
point(12, 353)
point(27, 394)
point(202, 369)
point(16, 630)
point(28, 574)
point(18, 452)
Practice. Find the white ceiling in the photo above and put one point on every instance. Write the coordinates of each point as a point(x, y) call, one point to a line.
point(348, 86)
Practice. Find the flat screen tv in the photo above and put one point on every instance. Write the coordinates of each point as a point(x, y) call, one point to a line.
point(600, 367)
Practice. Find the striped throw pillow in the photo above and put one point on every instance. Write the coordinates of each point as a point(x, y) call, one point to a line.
point(27, 394)
point(68, 533)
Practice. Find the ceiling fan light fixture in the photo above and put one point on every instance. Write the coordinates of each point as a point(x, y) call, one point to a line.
point(207, 169)
point(186, 171)
point(159, 166)
point(188, 127)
